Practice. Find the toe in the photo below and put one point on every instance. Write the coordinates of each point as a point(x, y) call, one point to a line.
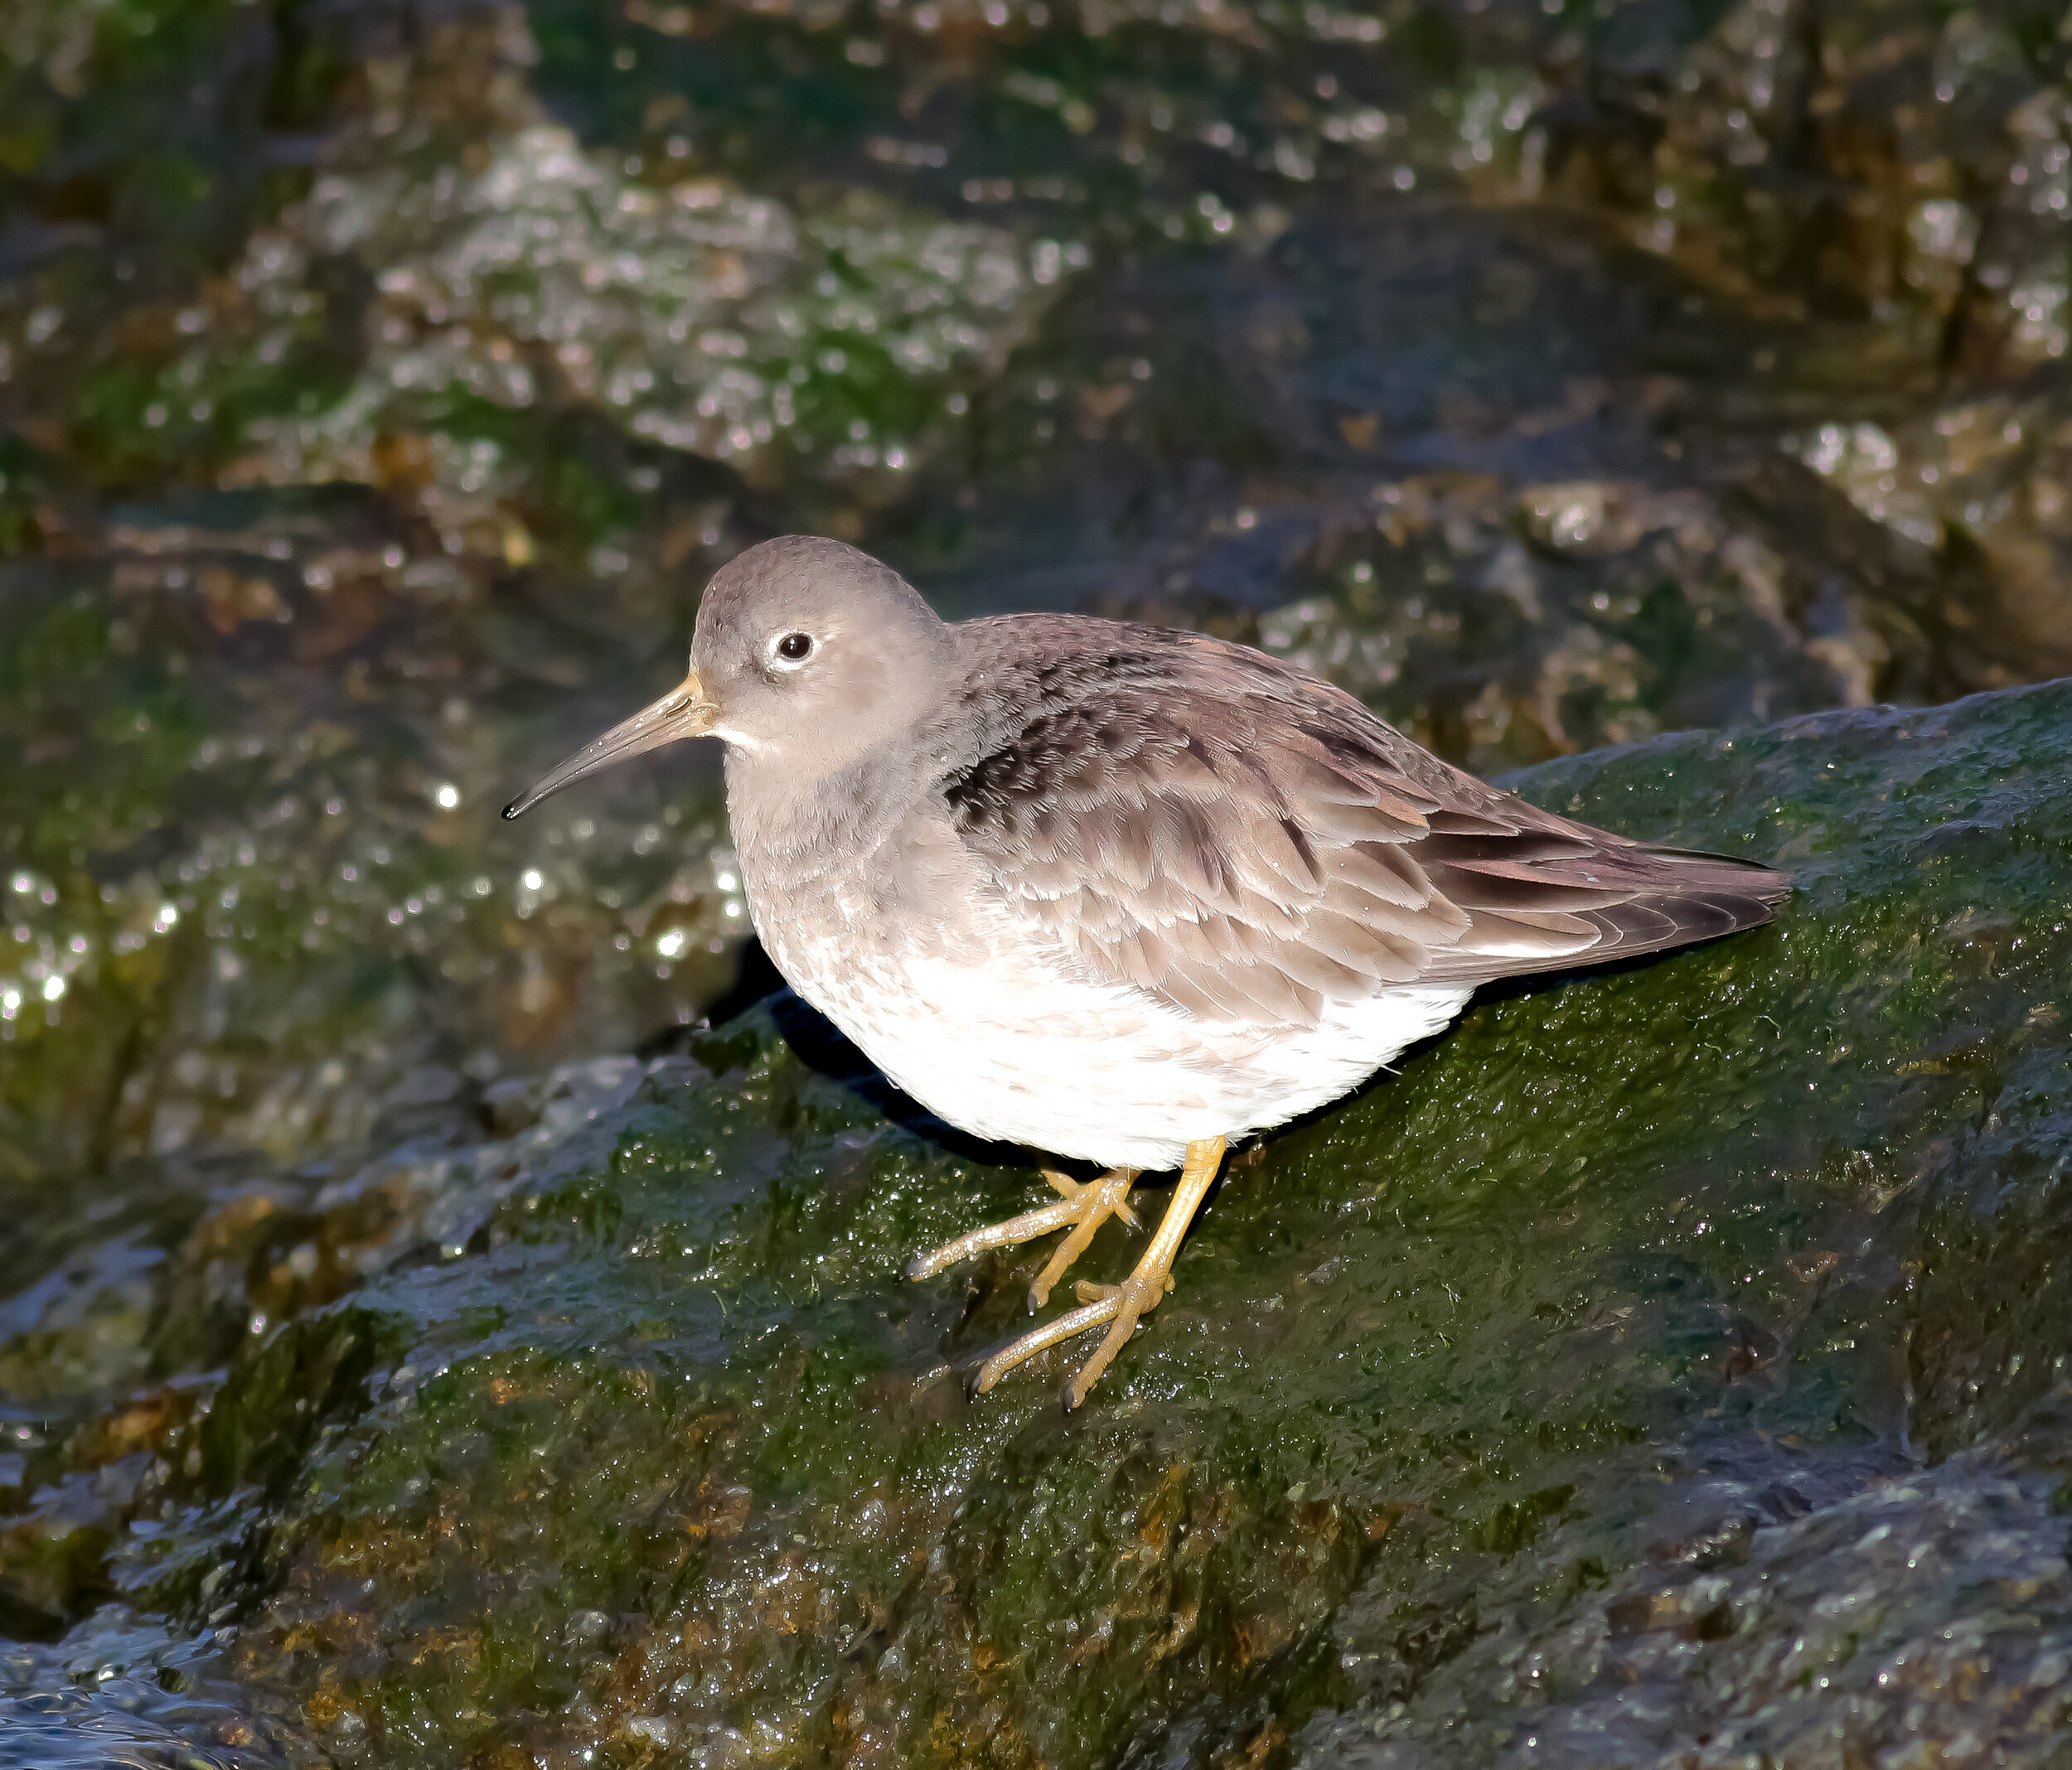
point(1132, 1300)
point(1118, 1337)
point(1067, 1326)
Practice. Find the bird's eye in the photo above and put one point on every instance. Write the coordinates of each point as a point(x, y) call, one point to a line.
point(794, 648)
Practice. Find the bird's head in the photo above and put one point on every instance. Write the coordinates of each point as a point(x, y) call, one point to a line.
point(807, 653)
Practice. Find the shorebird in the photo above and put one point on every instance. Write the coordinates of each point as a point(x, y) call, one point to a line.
point(1119, 893)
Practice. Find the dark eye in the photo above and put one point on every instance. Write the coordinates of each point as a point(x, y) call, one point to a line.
point(794, 648)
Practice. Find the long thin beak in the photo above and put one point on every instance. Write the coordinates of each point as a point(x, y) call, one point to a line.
point(682, 712)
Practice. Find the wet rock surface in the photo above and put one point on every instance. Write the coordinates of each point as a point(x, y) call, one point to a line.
point(1667, 1361)
point(436, 1327)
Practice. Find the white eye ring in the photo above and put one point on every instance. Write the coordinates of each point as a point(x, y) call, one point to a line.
point(789, 651)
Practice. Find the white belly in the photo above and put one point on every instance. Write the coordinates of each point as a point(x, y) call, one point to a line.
point(1014, 1049)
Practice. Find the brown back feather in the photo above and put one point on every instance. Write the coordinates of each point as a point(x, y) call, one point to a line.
point(1247, 843)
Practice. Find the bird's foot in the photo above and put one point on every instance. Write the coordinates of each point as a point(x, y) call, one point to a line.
point(1098, 1199)
point(1118, 1307)
point(1072, 1188)
point(1086, 1207)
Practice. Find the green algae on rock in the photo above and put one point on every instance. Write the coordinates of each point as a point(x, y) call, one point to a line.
point(1553, 1391)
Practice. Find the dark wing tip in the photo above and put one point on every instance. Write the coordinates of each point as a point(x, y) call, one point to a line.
point(1661, 898)
point(1694, 872)
point(1705, 897)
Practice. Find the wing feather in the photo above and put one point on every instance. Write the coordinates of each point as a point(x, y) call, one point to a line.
point(1248, 844)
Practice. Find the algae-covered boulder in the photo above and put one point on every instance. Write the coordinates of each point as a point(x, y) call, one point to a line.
point(1667, 1366)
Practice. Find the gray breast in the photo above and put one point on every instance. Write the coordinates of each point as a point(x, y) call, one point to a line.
point(866, 861)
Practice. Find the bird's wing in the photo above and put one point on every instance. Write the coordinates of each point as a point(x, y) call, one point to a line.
point(1251, 845)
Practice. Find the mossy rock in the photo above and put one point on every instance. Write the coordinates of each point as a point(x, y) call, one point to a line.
point(1668, 1354)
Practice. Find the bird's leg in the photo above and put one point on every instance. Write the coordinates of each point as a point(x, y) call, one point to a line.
point(1119, 1305)
point(1086, 1207)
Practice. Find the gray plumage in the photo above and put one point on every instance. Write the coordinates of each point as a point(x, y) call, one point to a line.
point(1109, 889)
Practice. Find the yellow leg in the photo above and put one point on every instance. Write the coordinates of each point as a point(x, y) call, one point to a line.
point(1086, 1207)
point(1119, 1305)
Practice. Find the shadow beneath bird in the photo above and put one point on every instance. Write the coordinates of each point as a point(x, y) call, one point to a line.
point(817, 1044)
